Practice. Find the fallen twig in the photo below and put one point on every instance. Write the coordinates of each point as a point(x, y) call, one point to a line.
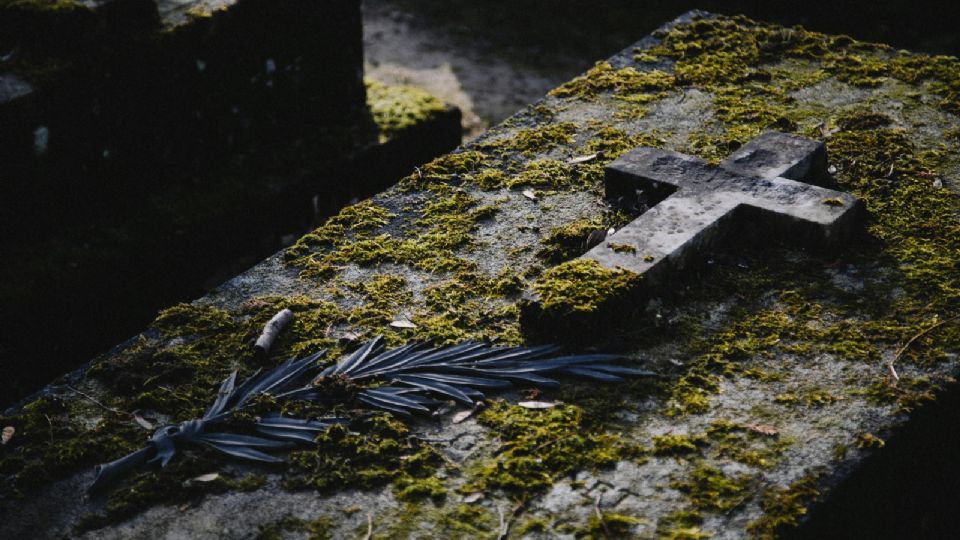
point(270, 331)
point(918, 335)
point(95, 402)
point(369, 527)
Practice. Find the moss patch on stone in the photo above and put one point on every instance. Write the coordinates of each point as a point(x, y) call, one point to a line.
point(396, 108)
point(540, 446)
point(626, 83)
point(531, 141)
point(784, 507)
point(581, 285)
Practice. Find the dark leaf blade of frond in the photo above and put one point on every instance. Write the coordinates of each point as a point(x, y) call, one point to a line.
point(279, 378)
point(164, 446)
point(371, 348)
point(595, 375)
point(437, 387)
point(223, 396)
point(622, 370)
point(307, 393)
point(462, 380)
point(299, 423)
point(241, 392)
point(294, 429)
point(231, 439)
point(384, 358)
point(293, 435)
point(551, 364)
point(513, 355)
point(410, 393)
point(528, 377)
point(383, 405)
point(242, 452)
point(288, 373)
point(412, 357)
point(391, 401)
point(108, 473)
point(453, 353)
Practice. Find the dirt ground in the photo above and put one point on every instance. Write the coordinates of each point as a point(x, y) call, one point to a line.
point(454, 64)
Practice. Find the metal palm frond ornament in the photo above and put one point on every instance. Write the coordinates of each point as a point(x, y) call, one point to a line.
point(405, 380)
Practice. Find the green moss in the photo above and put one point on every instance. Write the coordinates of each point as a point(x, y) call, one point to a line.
point(531, 141)
point(445, 223)
point(490, 179)
point(709, 489)
point(412, 489)
point(469, 306)
point(544, 173)
point(397, 108)
point(440, 173)
point(611, 142)
point(869, 440)
point(608, 525)
point(318, 529)
point(380, 451)
point(275, 530)
point(678, 445)
point(581, 285)
point(384, 295)
point(531, 525)
point(862, 120)
point(363, 217)
point(623, 248)
point(540, 446)
point(467, 521)
point(569, 241)
point(681, 525)
point(734, 441)
point(784, 507)
point(626, 83)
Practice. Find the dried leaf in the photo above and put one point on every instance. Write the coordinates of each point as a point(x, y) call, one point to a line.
point(763, 429)
point(209, 477)
point(7, 434)
point(471, 498)
point(402, 323)
point(143, 422)
point(582, 159)
point(538, 404)
point(530, 195)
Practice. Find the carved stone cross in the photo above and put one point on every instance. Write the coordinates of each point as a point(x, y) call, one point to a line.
point(766, 185)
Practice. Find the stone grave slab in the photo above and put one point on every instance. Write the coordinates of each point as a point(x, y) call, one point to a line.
point(786, 375)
